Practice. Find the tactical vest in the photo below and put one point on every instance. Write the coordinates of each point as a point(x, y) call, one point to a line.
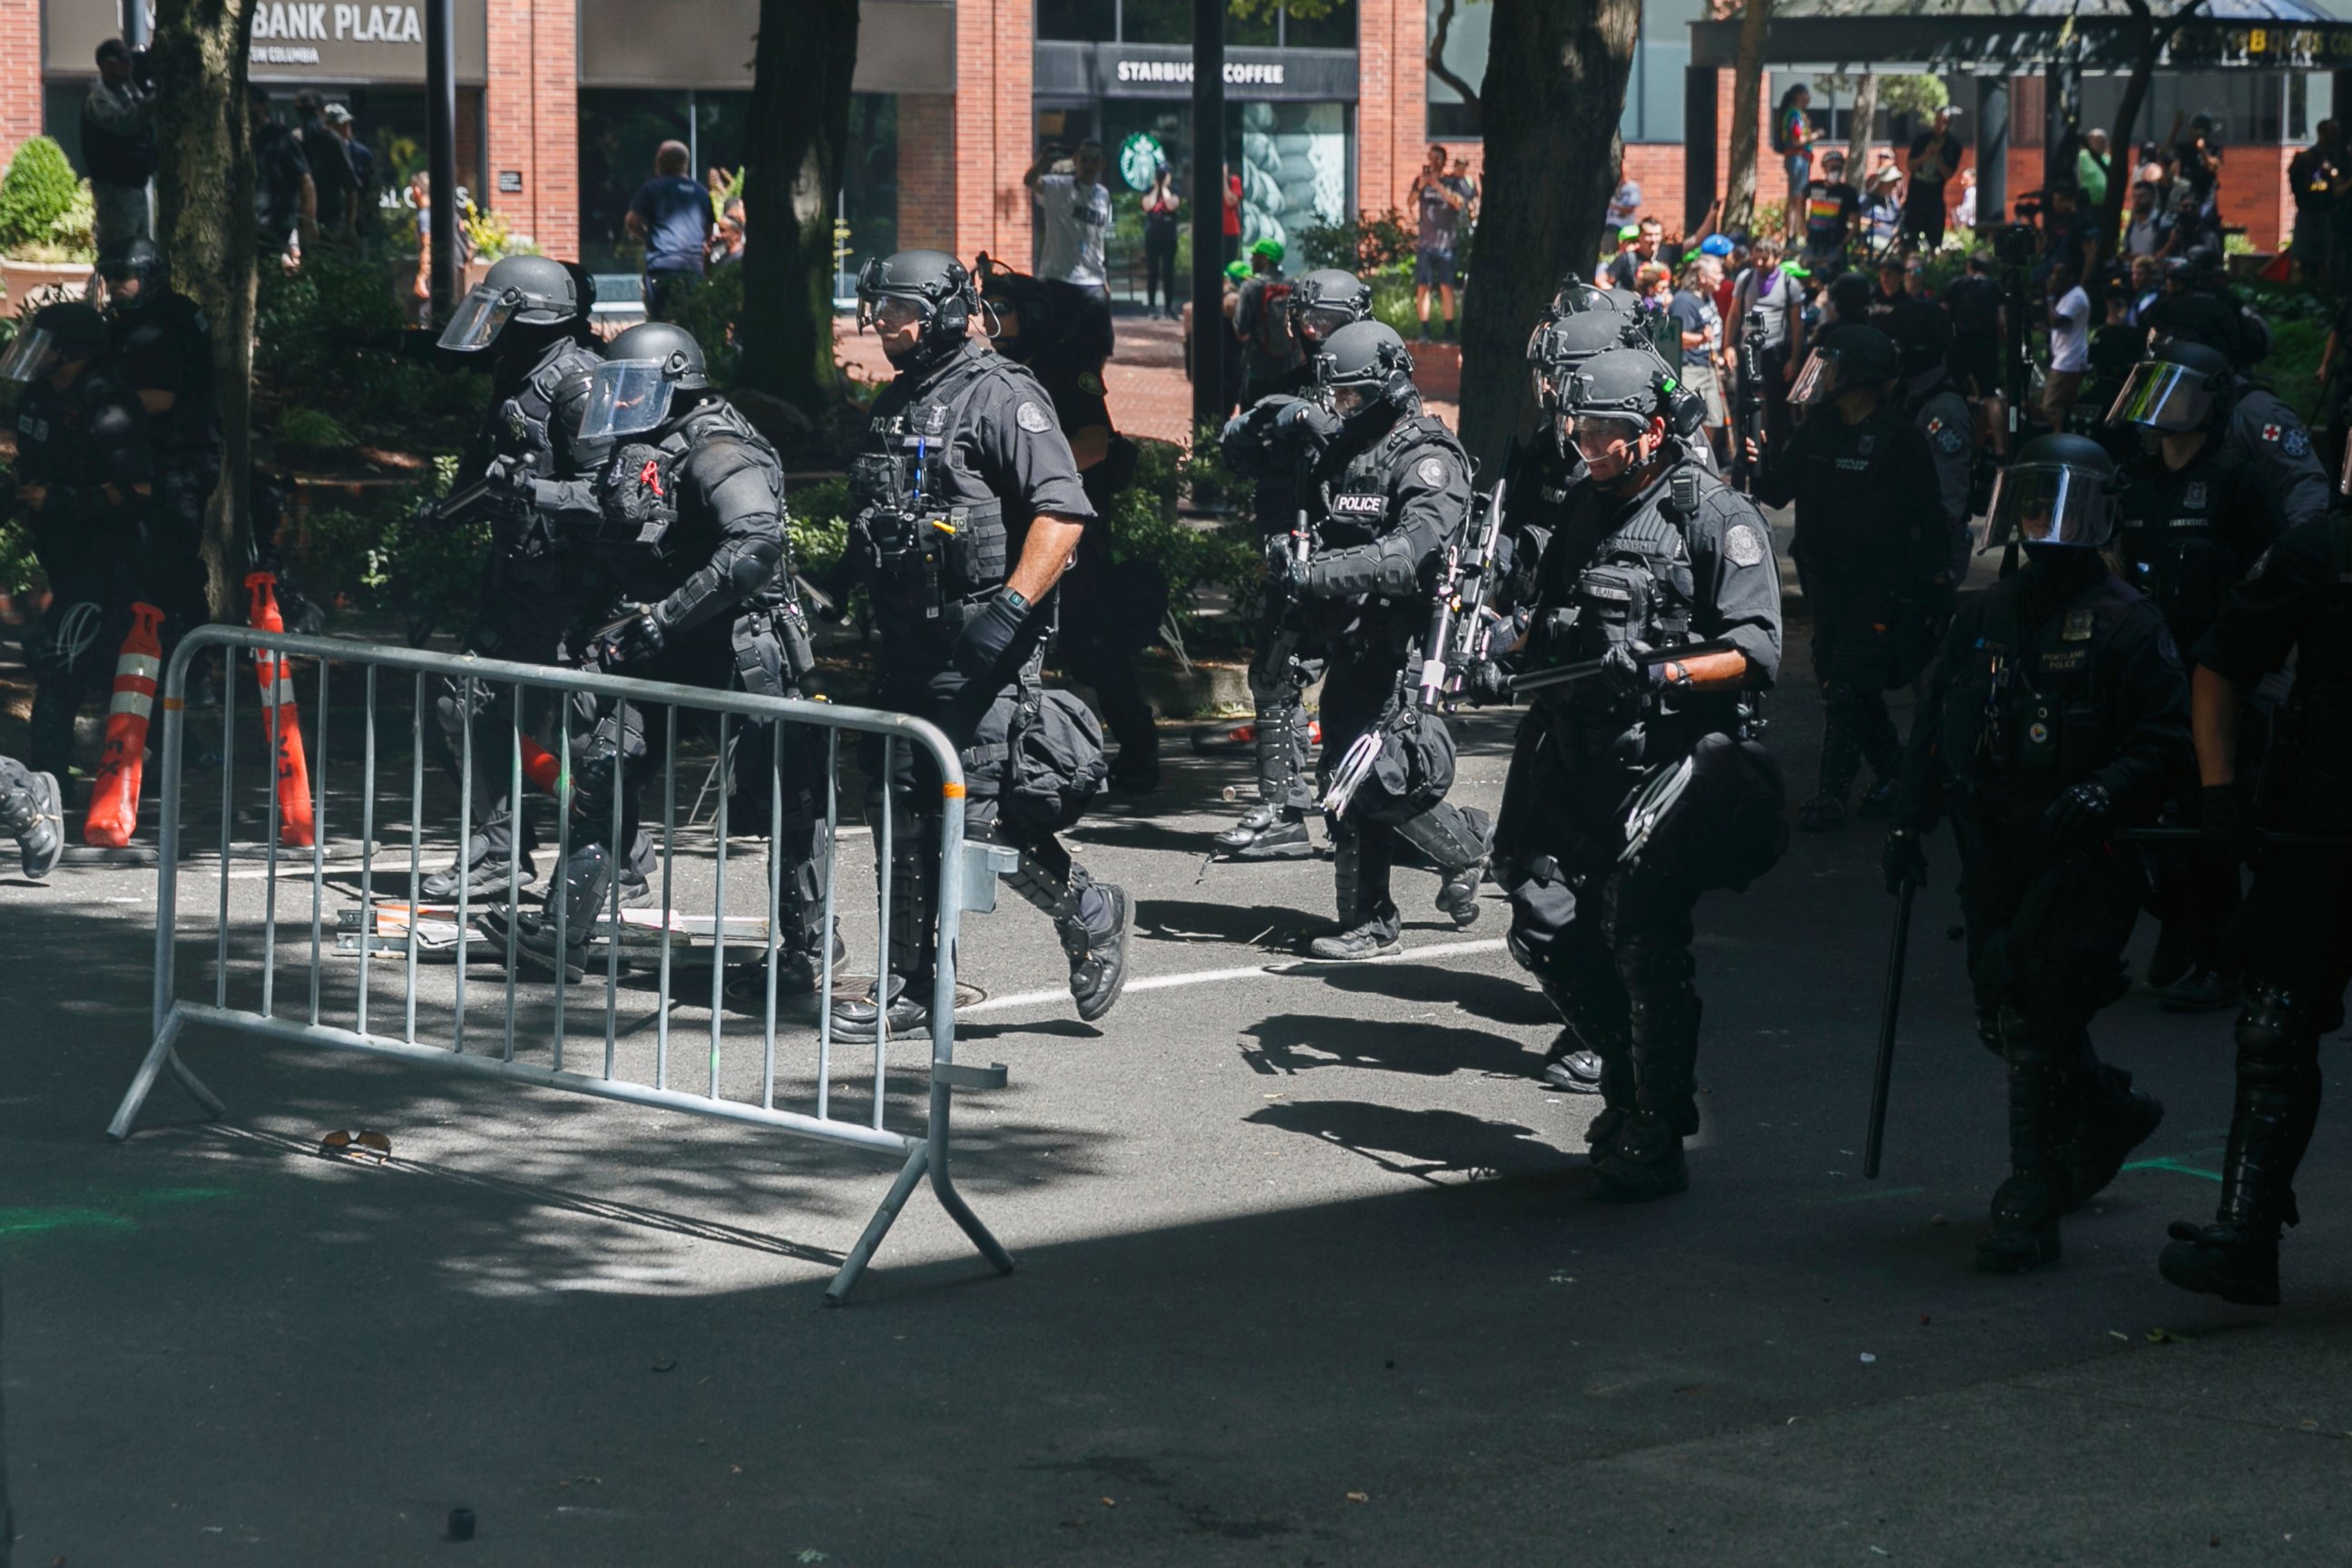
point(922, 552)
point(642, 483)
point(2026, 714)
point(2170, 551)
point(523, 425)
point(1355, 501)
point(1638, 587)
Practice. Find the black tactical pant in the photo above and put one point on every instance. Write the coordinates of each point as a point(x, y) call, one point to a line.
point(2196, 889)
point(523, 608)
point(183, 487)
point(2045, 939)
point(1853, 662)
point(974, 715)
point(1360, 694)
point(1609, 944)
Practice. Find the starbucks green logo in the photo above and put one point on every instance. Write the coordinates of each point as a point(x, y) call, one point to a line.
point(1139, 158)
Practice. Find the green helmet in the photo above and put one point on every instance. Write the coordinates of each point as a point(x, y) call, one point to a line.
point(1269, 248)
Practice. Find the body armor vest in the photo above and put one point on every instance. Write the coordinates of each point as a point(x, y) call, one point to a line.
point(2171, 550)
point(918, 549)
point(2026, 714)
point(523, 425)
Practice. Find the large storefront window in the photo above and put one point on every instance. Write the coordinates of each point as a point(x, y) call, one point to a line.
point(869, 174)
point(621, 129)
point(1171, 21)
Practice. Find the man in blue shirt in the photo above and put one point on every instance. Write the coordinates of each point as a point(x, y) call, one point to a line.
point(671, 213)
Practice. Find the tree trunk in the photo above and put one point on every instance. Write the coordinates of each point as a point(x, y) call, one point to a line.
point(204, 223)
point(1858, 138)
point(792, 164)
point(2122, 137)
point(1555, 85)
point(1746, 88)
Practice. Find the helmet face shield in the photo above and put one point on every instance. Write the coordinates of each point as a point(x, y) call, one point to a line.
point(30, 354)
point(1819, 381)
point(480, 316)
point(627, 397)
point(2161, 396)
point(2046, 504)
point(1316, 322)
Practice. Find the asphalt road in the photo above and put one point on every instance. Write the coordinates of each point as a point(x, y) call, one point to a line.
point(1306, 1274)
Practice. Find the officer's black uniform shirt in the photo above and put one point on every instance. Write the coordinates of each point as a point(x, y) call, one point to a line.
point(2184, 536)
point(76, 442)
point(2297, 598)
point(1008, 448)
point(1866, 530)
point(1410, 483)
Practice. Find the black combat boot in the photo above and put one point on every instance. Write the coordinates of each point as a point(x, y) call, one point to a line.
point(2113, 1120)
point(1878, 800)
point(1613, 1063)
point(1267, 833)
point(576, 903)
point(1089, 917)
point(1646, 1158)
point(1456, 843)
point(910, 971)
point(2026, 1206)
point(1368, 924)
point(33, 810)
point(488, 870)
point(1573, 1064)
point(2236, 1257)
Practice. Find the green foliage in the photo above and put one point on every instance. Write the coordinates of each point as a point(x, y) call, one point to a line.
point(308, 355)
point(38, 189)
point(489, 237)
point(1203, 471)
point(710, 310)
point(1919, 95)
point(1392, 305)
point(820, 518)
point(377, 558)
point(725, 194)
point(307, 427)
point(1374, 244)
point(19, 572)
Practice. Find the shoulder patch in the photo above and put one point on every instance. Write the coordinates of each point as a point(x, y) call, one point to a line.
point(1430, 472)
point(1948, 441)
point(1742, 544)
point(2078, 626)
point(2295, 442)
point(1031, 418)
point(1090, 384)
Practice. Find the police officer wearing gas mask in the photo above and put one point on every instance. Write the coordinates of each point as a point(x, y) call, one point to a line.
point(969, 508)
point(1873, 549)
point(2295, 930)
point(163, 352)
point(1636, 786)
point(2056, 716)
point(85, 470)
point(2189, 525)
point(1276, 443)
point(528, 324)
point(1394, 492)
point(684, 526)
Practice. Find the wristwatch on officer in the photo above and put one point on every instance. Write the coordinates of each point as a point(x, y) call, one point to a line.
point(1014, 601)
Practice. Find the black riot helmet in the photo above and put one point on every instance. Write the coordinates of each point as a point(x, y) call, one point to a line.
point(1366, 373)
point(1577, 294)
point(1560, 343)
point(1923, 337)
point(1848, 357)
point(57, 334)
point(137, 260)
point(2058, 492)
point(1614, 397)
point(930, 286)
point(2180, 386)
point(536, 293)
point(1325, 301)
point(636, 388)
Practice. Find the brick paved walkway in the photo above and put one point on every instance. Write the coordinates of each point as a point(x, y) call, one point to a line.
point(1145, 379)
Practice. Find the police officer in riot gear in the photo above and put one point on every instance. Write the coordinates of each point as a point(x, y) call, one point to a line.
point(1635, 791)
point(2056, 716)
point(528, 324)
point(1394, 491)
point(1933, 399)
point(85, 469)
point(1113, 608)
point(2189, 525)
point(32, 811)
point(1276, 442)
point(968, 509)
point(685, 523)
point(1874, 556)
point(2252, 428)
point(2297, 929)
point(164, 352)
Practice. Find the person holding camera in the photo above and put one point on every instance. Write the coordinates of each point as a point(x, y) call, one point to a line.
point(118, 143)
point(1077, 210)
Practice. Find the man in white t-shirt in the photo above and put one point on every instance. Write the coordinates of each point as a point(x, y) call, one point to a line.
point(1076, 216)
point(2070, 344)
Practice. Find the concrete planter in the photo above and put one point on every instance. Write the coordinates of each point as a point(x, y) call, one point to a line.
point(23, 278)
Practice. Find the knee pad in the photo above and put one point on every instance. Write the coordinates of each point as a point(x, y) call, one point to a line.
point(1649, 967)
point(2274, 1034)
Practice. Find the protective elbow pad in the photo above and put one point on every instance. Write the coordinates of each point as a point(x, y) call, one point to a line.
point(1386, 567)
point(749, 566)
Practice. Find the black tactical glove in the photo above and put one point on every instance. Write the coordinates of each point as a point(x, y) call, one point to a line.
point(1624, 675)
point(1307, 424)
point(626, 642)
point(1283, 571)
point(2078, 817)
point(987, 635)
point(1903, 859)
point(1487, 681)
point(2221, 818)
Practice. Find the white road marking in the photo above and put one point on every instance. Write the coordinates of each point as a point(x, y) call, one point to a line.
point(1218, 976)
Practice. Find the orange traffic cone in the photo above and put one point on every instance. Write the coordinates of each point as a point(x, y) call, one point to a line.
point(114, 799)
point(280, 715)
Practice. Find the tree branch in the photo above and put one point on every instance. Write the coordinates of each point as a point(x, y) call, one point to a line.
point(1437, 66)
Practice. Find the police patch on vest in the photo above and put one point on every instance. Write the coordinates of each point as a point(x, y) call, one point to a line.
point(2193, 497)
point(1031, 418)
point(1430, 472)
point(2078, 628)
point(1090, 384)
point(2060, 661)
point(1741, 544)
point(1360, 501)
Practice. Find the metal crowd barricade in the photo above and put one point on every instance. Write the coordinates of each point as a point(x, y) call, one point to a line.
point(246, 984)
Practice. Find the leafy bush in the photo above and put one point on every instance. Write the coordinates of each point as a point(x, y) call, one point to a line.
point(820, 515)
point(1201, 471)
point(37, 190)
point(314, 328)
point(19, 572)
point(313, 428)
point(378, 559)
point(1375, 243)
point(489, 237)
point(709, 310)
